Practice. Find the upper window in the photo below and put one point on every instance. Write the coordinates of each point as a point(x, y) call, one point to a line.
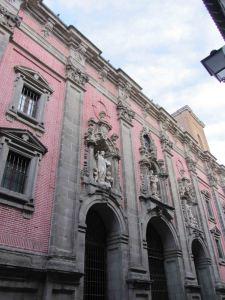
point(20, 154)
point(207, 199)
point(29, 99)
point(28, 102)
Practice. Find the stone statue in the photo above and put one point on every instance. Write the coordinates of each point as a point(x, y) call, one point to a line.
point(102, 165)
point(153, 183)
point(192, 220)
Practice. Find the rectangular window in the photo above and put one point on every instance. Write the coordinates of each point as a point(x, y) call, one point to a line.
point(28, 101)
point(209, 208)
point(219, 248)
point(15, 172)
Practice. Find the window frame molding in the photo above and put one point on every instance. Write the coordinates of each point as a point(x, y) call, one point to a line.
point(33, 80)
point(217, 237)
point(207, 199)
point(26, 144)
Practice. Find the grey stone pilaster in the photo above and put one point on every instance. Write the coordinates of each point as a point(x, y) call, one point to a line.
point(68, 178)
point(130, 195)
point(203, 218)
point(179, 213)
point(4, 40)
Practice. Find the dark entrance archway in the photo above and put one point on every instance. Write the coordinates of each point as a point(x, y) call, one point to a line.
point(203, 271)
point(156, 265)
point(165, 260)
point(95, 258)
point(105, 254)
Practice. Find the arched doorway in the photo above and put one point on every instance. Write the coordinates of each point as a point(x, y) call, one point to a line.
point(156, 265)
point(165, 260)
point(203, 272)
point(95, 258)
point(104, 276)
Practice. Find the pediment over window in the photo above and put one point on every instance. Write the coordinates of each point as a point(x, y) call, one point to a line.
point(23, 138)
point(34, 77)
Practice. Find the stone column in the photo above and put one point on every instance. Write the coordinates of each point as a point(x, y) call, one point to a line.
point(203, 219)
point(137, 270)
point(63, 248)
point(167, 149)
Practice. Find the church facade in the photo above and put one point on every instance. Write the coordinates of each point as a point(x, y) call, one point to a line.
point(103, 193)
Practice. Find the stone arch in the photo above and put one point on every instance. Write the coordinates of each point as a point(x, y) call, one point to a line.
point(166, 229)
point(170, 254)
point(107, 201)
point(116, 242)
point(202, 265)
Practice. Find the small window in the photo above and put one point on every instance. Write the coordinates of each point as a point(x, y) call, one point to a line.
point(207, 199)
point(30, 96)
point(209, 208)
point(219, 248)
point(28, 102)
point(15, 172)
point(20, 154)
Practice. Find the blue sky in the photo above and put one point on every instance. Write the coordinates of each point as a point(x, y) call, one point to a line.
point(159, 44)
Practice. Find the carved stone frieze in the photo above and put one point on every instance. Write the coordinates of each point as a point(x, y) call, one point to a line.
point(48, 28)
point(101, 156)
point(125, 112)
point(148, 148)
point(212, 174)
point(186, 191)
point(166, 143)
point(124, 91)
point(189, 218)
point(103, 73)
point(79, 54)
point(75, 74)
point(191, 164)
point(9, 20)
point(152, 171)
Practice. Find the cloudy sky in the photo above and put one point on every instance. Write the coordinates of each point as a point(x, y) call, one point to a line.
point(159, 44)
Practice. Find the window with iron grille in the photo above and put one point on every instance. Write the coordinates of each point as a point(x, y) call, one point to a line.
point(31, 93)
point(15, 172)
point(28, 102)
point(20, 155)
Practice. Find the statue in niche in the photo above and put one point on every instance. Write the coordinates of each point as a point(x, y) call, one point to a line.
point(154, 183)
point(101, 157)
point(191, 219)
point(102, 165)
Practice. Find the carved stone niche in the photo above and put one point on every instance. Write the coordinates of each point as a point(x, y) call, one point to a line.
point(153, 174)
point(188, 204)
point(101, 161)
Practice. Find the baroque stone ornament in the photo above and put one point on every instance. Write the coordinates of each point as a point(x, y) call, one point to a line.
point(9, 20)
point(48, 28)
point(125, 112)
point(191, 164)
point(103, 73)
point(166, 143)
point(152, 171)
point(124, 91)
point(102, 157)
point(187, 195)
point(185, 189)
point(75, 74)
